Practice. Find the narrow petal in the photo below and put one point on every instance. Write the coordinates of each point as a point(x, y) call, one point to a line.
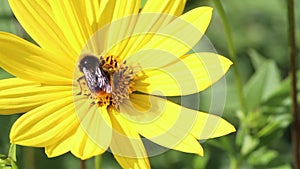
point(19, 95)
point(125, 8)
point(123, 22)
point(75, 20)
point(46, 124)
point(177, 38)
point(117, 34)
point(15, 82)
point(30, 62)
point(38, 20)
point(169, 7)
point(61, 146)
point(155, 15)
point(95, 133)
point(168, 124)
point(190, 74)
point(134, 163)
point(152, 122)
point(126, 145)
point(91, 136)
point(83, 147)
point(72, 19)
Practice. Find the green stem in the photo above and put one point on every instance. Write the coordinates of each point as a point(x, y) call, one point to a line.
point(12, 154)
point(233, 56)
point(98, 161)
point(82, 164)
point(234, 160)
point(293, 67)
point(29, 157)
point(233, 163)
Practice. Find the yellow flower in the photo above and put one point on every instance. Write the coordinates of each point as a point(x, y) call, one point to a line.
point(98, 77)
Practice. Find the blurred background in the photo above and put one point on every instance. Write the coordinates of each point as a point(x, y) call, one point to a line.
point(262, 140)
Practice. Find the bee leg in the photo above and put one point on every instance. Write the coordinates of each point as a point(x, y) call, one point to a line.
point(83, 87)
point(79, 82)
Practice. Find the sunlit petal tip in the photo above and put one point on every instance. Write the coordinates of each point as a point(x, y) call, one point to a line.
point(194, 73)
point(134, 163)
point(84, 147)
point(51, 154)
point(226, 63)
point(210, 126)
point(84, 155)
point(204, 10)
point(226, 128)
point(200, 153)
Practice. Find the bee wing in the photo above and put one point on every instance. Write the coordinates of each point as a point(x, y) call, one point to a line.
point(103, 81)
point(90, 78)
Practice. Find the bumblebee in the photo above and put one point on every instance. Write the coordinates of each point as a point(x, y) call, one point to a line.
point(96, 78)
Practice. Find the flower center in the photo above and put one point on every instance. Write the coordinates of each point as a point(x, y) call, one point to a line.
point(105, 80)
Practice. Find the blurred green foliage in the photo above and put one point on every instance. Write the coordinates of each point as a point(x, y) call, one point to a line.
point(263, 134)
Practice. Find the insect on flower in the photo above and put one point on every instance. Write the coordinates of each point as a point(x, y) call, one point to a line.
point(107, 102)
point(97, 79)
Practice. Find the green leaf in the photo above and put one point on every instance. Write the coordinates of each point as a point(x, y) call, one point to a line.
point(249, 144)
point(282, 92)
point(12, 152)
point(201, 162)
point(13, 164)
point(275, 123)
point(285, 166)
point(256, 58)
point(261, 84)
point(262, 156)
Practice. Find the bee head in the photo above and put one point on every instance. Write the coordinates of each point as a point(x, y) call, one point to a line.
point(88, 62)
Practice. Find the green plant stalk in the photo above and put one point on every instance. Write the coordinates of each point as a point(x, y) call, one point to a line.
point(235, 162)
point(98, 160)
point(82, 164)
point(293, 67)
point(12, 152)
point(29, 157)
point(233, 56)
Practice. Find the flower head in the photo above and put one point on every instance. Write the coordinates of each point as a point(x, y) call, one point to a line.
point(98, 77)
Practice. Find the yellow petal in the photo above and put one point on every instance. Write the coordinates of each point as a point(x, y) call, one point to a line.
point(72, 19)
point(123, 22)
point(125, 8)
point(30, 62)
point(37, 18)
point(61, 146)
point(15, 82)
point(83, 147)
point(210, 126)
point(96, 131)
point(159, 120)
point(189, 74)
point(155, 15)
point(169, 7)
point(105, 11)
point(45, 125)
point(153, 123)
point(126, 145)
point(91, 137)
point(178, 37)
point(133, 163)
point(19, 95)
